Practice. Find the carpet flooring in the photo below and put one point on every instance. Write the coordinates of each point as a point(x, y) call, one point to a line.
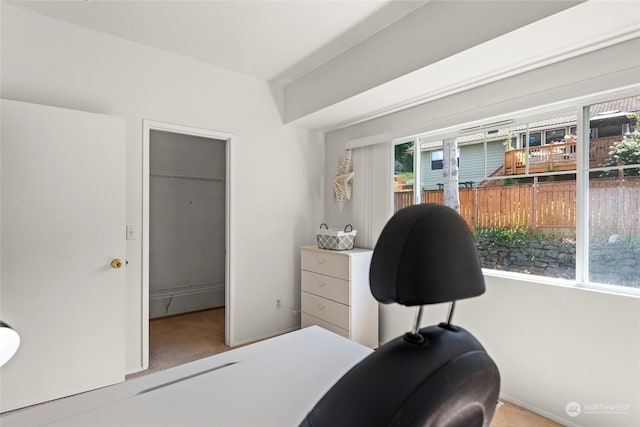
point(183, 338)
point(510, 415)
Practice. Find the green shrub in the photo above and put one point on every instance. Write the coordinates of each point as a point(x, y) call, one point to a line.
point(626, 152)
point(515, 236)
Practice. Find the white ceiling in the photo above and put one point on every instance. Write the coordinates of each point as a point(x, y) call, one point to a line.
point(280, 41)
point(270, 40)
point(547, 41)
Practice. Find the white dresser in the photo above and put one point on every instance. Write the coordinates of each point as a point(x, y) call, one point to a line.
point(336, 295)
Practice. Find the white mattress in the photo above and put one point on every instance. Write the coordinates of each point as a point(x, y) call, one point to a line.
point(271, 383)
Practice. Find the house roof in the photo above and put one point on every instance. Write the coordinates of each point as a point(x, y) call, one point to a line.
point(625, 105)
point(615, 108)
point(515, 130)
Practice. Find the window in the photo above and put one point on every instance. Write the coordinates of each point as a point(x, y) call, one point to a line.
point(403, 160)
point(436, 160)
point(522, 212)
point(554, 136)
point(403, 174)
point(535, 138)
point(524, 201)
point(613, 234)
point(609, 128)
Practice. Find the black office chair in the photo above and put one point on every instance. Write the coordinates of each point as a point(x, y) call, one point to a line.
point(435, 376)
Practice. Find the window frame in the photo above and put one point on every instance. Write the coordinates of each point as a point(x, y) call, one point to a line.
point(580, 108)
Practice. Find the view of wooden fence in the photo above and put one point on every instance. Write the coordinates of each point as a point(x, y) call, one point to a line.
point(614, 206)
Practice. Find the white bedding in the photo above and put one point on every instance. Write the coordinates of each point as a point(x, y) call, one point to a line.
point(271, 383)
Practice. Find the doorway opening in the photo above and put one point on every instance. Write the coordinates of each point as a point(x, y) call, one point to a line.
point(186, 287)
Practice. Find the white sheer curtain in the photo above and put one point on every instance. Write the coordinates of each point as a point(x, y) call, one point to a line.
point(372, 192)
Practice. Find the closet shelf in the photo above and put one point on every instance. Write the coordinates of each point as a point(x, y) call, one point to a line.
point(191, 177)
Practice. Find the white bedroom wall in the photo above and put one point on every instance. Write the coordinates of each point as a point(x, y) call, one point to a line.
point(277, 171)
point(553, 344)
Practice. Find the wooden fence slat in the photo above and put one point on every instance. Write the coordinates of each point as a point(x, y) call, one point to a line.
point(614, 206)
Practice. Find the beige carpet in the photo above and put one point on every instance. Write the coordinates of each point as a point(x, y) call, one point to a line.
point(176, 340)
point(183, 338)
point(510, 415)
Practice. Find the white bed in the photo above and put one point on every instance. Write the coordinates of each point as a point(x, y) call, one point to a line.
point(271, 383)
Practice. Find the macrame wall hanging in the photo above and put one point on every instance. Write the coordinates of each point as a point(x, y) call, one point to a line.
point(342, 181)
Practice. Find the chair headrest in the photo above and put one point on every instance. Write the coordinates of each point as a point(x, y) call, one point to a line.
point(425, 255)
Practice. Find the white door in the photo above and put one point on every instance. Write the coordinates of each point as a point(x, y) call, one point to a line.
point(63, 222)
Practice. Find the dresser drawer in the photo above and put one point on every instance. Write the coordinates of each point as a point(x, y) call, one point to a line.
point(326, 286)
point(325, 309)
point(325, 263)
point(307, 320)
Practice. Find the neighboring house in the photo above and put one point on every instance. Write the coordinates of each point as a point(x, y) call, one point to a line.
point(471, 161)
point(551, 146)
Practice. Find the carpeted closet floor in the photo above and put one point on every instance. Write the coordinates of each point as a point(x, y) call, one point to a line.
point(183, 338)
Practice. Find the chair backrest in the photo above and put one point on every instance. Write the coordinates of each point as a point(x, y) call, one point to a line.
point(425, 255)
point(435, 376)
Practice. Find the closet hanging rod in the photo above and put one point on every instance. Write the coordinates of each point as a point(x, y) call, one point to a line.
point(195, 178)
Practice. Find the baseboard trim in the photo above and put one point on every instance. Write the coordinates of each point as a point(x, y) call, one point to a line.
point(265, 336)
point(167, 302)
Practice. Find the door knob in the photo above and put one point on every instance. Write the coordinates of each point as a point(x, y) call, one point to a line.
point(116, 263)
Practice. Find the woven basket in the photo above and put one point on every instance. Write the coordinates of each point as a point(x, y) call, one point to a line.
point(336, 240)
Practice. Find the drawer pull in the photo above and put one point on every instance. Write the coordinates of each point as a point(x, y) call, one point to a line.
point(322, 285)
point(322, 261)
point(322, 307)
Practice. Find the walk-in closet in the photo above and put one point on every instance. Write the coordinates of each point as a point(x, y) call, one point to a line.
point(187, 225)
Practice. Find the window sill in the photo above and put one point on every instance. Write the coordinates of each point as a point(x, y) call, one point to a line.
point(542, 280)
